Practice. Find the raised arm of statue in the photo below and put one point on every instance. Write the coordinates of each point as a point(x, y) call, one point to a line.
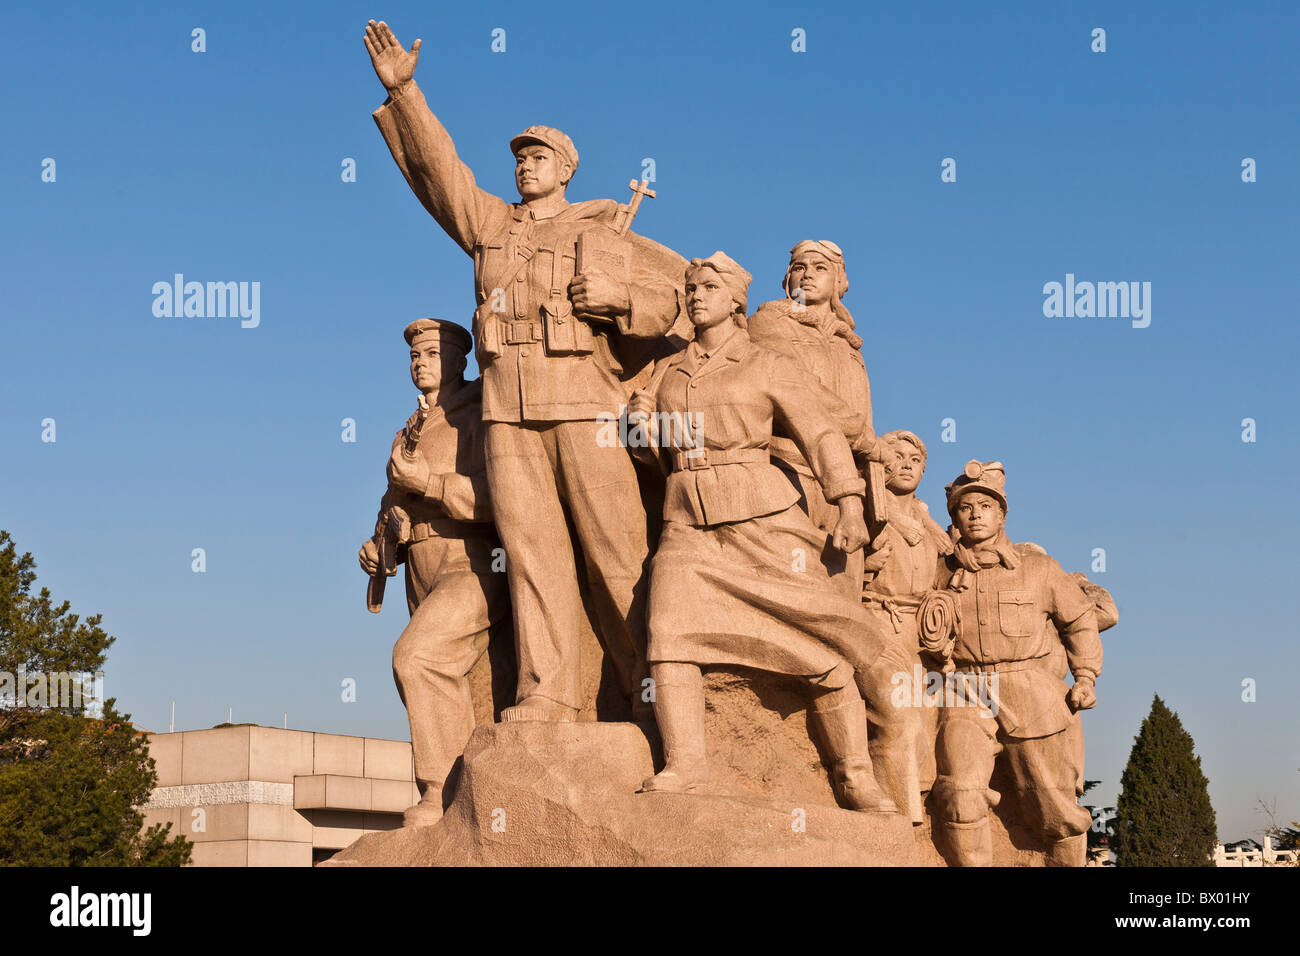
point(423, 149)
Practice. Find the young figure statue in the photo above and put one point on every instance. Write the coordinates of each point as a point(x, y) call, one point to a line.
point(992, 619)
point(736, 580)
point(436, 516)
point(900, 570)
point(813, 328)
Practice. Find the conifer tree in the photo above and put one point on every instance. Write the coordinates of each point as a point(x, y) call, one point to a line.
point(71, 780)
point(1163, 816)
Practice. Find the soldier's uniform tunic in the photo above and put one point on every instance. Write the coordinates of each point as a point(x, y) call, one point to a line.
point(1008, 602)
point(453, 595)
point(546, 377)
point(892, 596)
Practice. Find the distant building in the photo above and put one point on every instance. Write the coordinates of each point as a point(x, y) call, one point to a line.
point(261, 796)
point(1250, 853)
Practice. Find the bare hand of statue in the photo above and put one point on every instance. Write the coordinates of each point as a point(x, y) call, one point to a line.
point(406, 474)
point(597, 293)
point(393, 64)
point(641, 407)
point(851, 530)
point(369, 557)
point(1083, 695)
point(882, 549)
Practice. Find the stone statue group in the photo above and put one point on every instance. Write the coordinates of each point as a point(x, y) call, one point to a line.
point(614, 374)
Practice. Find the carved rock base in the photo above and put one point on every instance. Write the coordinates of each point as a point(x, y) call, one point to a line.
point(549, 794)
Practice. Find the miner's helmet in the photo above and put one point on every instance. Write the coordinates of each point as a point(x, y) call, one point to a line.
point(988, 477)
point(449, 332)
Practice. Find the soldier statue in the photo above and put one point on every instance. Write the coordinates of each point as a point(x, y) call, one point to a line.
point(436, 518)
point(565, 295)
point(899, 572)
point(1008, 617)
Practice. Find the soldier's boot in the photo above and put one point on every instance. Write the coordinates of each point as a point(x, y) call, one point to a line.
point(841, 720)
point(539, 708)
point(429, 810)
point(679, 712)
point(1071, 851)
point(895, 757)
point(971, 843)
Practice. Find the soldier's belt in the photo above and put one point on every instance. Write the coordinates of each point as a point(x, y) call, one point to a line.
point(903, 605)
point(894, 607)
point(522, 332)
point(1002, 667)
point(700, 459)
point(447, 528)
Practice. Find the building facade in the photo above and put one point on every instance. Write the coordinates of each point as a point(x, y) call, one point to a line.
point(262, 796)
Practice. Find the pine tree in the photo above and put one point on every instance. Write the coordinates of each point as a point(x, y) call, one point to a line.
point(71, 782)
point(1163, 816)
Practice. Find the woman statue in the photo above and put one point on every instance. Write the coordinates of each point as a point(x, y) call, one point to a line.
point(737, 579)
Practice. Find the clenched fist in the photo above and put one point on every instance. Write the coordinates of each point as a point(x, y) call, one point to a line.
point(641, 407)
point(369, 556)
point(1083, 695)
point(406, 474)
point(851, 530)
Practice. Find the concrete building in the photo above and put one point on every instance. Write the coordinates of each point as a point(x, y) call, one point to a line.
point(262, 796)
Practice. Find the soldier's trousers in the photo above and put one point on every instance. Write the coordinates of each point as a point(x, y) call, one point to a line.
point(454, 598)
point(1046, 774)
point(536, 472)
point(901, 748)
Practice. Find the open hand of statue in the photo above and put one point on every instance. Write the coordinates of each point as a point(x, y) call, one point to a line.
point(851, 530)
point(393, 64)
point(598, 293)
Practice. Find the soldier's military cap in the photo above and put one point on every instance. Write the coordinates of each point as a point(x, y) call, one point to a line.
point(988, 477)
point(450, 333)
point(551, 137)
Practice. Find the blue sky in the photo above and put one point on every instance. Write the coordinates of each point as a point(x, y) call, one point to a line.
point(174, 434)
